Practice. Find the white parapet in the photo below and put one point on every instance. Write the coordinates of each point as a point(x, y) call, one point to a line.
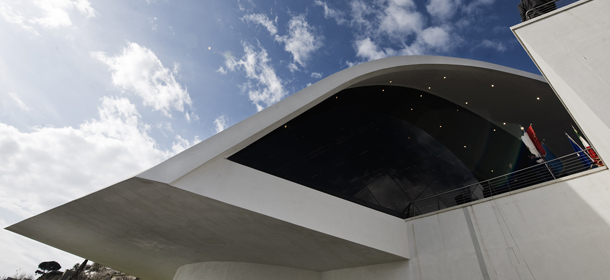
point(557, 231)
point(571, 47)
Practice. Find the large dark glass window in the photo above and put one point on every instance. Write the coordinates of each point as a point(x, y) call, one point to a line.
point(385, 147)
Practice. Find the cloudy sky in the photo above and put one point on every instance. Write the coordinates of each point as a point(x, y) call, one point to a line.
point(92, 92)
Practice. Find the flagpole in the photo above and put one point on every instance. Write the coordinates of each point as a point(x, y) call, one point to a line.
point(583, 151)
point(547, 167)
point(535, 148)
point(587, 148)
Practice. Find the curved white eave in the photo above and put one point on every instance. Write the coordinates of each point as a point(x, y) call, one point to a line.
point(253, 128)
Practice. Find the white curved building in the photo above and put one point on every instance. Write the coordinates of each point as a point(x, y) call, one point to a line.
point(386, 170)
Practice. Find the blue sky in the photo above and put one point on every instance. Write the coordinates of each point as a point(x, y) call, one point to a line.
point(92, 92)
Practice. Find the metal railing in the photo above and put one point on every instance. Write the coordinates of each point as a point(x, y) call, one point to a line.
point(547, 7)
point(536, 174)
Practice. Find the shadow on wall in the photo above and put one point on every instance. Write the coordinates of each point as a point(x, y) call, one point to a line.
point(559, 231)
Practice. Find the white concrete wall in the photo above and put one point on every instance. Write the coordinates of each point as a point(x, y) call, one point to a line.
point(386, 271)
point(559, 231)
point(571, 47)
point(247, 188)
point(241, 271)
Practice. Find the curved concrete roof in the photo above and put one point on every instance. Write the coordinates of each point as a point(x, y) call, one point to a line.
point(466, 81)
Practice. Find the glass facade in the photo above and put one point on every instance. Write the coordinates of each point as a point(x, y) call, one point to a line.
point(385, 147)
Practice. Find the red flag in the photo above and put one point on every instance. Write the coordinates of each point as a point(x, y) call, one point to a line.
point(537, 144)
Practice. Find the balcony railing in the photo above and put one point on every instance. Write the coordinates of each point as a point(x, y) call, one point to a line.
point(547, 7)
point(547, 171)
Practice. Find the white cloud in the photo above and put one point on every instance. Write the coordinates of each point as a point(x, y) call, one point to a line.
point(138, 70)
point(464, 23)
point(395, 27)
point(368, 50)
point(13, 17)
point(443, 10)
point(264, 86)
point(70, 162)
point(56, 12)
point(19, 102)
point(50, 166)
point(496, 45)
point(437, 38)
point(84, 7)
point(182, 144)
point(300, 40)
point(221, 123)
point(329, 12)
point(176, 68)
point(401, 18)
point(316, 75)
point(293, 67)
point(363, 15)
point(262, 20)
point(431, 40)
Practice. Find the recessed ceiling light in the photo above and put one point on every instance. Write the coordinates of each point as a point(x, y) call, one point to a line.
point(421, 95)
point(464, 146)
point(411, 109)
point(390, 82)
point(429, 87)
point(504, 123)
point(336, 97)
point(494, 129)
point(492, 85)
point(444, 77)
point(285, 126)
point(537, 98)
point(440, 126)
point(466, 102)
point(492, 170)
point(383, 90)
point(458, 110)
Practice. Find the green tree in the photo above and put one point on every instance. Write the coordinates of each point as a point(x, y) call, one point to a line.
point(48, 270)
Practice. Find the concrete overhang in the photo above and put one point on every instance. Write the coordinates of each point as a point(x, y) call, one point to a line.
point(150, 229)
point(198, 206)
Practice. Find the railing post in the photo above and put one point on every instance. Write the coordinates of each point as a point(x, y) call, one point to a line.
point(548, 168)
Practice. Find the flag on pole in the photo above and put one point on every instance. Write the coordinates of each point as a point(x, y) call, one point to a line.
point(588, 149)
point(535, 141)
point(529, 144)
point(584, 158)
point(555, 163)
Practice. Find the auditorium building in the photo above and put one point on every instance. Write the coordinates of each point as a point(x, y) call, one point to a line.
point(409, 167)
